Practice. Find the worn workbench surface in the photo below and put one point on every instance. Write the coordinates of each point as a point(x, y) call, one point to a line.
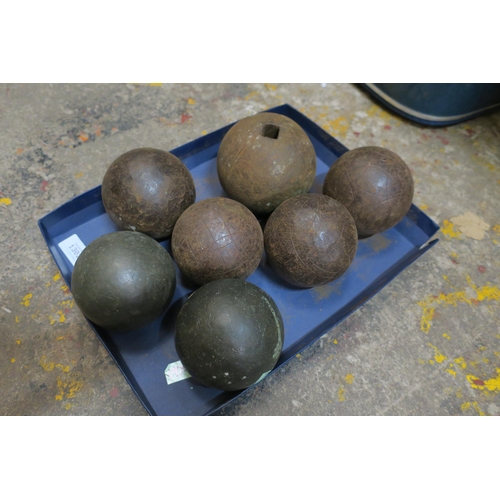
point(427, 344)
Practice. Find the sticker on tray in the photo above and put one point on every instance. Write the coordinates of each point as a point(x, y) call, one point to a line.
point(72, 247)
point(175, 372)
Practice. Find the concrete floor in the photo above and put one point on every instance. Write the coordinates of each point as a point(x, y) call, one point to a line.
point(427, 344)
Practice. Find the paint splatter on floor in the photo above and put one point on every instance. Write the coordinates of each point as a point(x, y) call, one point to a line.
point(49, 366)
point(492, 384)
point(471, 225)
point(431, 302)
point(27, 299)
point(438, 356)
point(68, 389)
point(449, 230)
point(340, 394)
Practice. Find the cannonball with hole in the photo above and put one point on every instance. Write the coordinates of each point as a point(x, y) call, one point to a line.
point(374, 184)
point(229, 334)
point(123, 280)
point(310, 240)
point(146, 190)
point(265, 159)
point(217, 238)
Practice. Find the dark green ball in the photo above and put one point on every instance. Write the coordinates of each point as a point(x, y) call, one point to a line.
point(229, 334)
point(123, 280)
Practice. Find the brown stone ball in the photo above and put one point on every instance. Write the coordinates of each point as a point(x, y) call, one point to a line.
point(310, 240)
point(217, 238)
point(374, 184)
point(265, 159)
point(146, 190)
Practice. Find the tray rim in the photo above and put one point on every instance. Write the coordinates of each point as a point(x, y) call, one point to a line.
point(184, 152)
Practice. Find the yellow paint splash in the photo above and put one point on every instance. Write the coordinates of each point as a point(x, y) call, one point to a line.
point(18, 342)
point(349, 378)
point(270, 86)
point(449, 230)
point(376, 111)
point(486, 292)
point(68, 406)
point(496, 228)
point(493, 384)
point(252, 94)
point(340, 394)
point(26, 299)
point(204, 132)
point(446, 336)
point(335, 341)
point(191, 101)
point(5, 202)
point(467, 405)
point(56, 276)
point(16, 319)
point(479, 411)
point(155, 84)
point(339, 126)
point(423, 206)
point(461, 363)
point(12, 360)
point(50, 366)
point(68, 389)
point(438, 356)
point(429, 304)
point(79, 174)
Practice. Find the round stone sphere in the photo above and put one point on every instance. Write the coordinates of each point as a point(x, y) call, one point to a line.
point(374, 184)
point(229, 334)
point(265, 159)
point(310, 240)
point(146, 190)
point(217, 238)
point(123, 280)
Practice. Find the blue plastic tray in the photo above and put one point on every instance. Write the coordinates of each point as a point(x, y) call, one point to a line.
point(143, 355)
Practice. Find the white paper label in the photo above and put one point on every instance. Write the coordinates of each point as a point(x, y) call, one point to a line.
point(72, 247)
point(175, 372)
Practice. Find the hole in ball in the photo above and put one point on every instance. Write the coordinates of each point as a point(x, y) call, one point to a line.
point(271, 131)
